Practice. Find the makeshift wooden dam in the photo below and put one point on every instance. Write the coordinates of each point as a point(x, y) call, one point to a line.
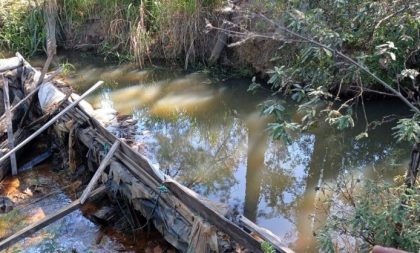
point(185, 219)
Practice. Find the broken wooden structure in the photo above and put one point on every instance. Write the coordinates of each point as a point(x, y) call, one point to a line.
point(185, 219)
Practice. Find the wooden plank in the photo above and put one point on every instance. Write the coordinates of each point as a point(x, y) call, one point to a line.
point(190, 198)
point(9, 64)
point(51, 121)
point(265, 234)
point(99, 171)
point(8, 115)
point(46, 221)
point(37, 160)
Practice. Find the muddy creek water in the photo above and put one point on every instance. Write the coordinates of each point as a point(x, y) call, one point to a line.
point(209, 135)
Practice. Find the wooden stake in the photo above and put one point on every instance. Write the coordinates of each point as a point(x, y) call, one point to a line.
point(10, 137)
point(51, 121)
point(99, 171)
point(46, 221)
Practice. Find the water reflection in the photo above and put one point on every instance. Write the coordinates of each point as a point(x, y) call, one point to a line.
point(211, 138)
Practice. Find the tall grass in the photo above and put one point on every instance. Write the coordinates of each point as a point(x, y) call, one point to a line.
point(182, 32)
point(129, 29)
point(21, 27)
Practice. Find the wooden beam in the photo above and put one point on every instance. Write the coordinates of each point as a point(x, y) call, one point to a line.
point(8, 115)
point(46, 221)
point(99, 171)
point(9, 64)
point(191, 199)
point(20, 135)
point(265, 234)
point(51, 121)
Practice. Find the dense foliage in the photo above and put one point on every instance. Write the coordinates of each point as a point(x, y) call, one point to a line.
point(21, 27)
point(374, 213)
point(381, 36)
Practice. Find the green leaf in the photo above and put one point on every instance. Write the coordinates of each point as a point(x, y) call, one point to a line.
point(254, 85)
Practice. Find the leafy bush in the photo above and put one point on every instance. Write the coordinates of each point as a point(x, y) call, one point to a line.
point(380, 35)
point(374, 213)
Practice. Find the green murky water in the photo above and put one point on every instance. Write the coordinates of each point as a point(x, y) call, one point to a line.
point(210, 136)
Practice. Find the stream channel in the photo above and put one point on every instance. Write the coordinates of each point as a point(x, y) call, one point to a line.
point(209, 135)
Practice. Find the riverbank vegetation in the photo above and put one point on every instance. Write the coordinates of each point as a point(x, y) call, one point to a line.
point(125, 30)
point(298, 47)
point(344, 53)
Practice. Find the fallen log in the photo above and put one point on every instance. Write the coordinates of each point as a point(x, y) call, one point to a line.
point(237, 234)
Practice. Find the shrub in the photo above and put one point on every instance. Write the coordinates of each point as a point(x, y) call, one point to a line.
point(373, 213)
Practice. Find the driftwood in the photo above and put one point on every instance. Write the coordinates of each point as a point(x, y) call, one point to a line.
point(189, 197)
point(10, 137)
point(47, 220)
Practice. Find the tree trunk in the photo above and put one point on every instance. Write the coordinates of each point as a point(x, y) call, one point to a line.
point(411, 177)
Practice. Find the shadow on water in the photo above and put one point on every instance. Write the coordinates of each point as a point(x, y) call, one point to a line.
point(210, 137)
